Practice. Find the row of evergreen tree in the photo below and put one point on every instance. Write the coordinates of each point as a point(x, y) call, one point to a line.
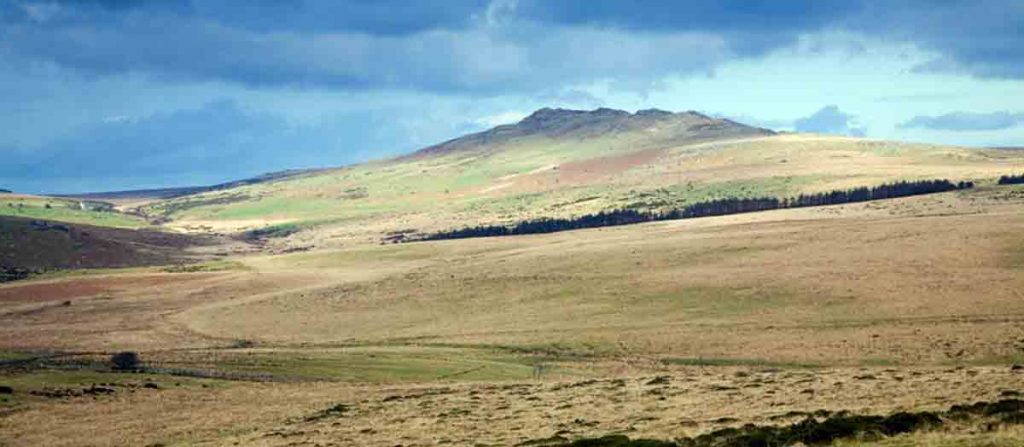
point(1011, 179)
point(717, 207)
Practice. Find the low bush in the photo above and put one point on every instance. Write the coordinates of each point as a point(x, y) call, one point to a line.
point(1011, 179)
point(125, 361)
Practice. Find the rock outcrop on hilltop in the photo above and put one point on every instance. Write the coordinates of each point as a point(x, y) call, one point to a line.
point(581, 124)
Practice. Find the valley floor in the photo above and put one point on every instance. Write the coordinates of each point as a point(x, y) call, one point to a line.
point(658, 330)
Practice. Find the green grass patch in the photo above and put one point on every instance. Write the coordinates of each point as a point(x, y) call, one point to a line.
point(74, 273)
point(211, 266)
point(14, 355)
point(273, 231)
point(376, 366)
point(675, 196)
point(542, 352)
point(701, 302)
point(67, 211)
point(24, 383)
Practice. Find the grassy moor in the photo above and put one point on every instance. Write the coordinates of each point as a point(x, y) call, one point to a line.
point(512, 223)
point(268, 313)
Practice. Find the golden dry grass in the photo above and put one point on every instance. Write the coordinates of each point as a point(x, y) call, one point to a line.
point(662, 404)
point(908, 304)
point(781, 286)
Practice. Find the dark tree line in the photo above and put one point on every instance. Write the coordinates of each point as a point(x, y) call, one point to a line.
point(546, 225)
point(717, 207)
point(881, 192)
point(13, 273)
point(1011, 179)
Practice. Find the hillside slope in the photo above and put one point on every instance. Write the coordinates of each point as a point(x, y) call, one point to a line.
point(137, 197)
point(566, 162)
point(34, 246)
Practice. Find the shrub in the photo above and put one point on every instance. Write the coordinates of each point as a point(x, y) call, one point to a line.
point(272, 231)
point(125, 361)
point(1011, 179)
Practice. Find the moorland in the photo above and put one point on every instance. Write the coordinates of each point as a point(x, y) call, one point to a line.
point(285, 312)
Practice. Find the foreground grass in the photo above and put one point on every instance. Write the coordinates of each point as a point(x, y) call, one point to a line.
point(997, 437)
point(956, 426)
point(41, 385)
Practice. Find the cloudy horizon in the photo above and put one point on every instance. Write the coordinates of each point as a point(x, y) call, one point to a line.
point(121, 94)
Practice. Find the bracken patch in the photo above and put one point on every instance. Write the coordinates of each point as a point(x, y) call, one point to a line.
point(813, 431)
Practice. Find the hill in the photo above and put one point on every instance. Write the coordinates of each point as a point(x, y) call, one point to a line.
point(683, 127)
point(137, 197)
point(562, 163)
point(30, 246)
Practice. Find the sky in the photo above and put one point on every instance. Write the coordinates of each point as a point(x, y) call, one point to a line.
point(102, 95)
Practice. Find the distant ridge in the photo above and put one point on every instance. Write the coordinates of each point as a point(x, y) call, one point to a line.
point(581, 124)
point(689, 126)
point(170, 193)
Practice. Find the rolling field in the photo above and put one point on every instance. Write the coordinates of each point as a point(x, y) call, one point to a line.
point(659, 330)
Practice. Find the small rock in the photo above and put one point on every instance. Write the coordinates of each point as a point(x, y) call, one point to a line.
point(660, 380)
point(98, 390)
point(4, 389)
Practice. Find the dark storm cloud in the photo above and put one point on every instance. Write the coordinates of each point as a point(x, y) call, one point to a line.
point(154, 145)
point(980, 37)
point(380, 17)
point(216, 142)
point(462, 45)
point(753, 26)
point(59, 59)
point(527, 57)
point(966, 121)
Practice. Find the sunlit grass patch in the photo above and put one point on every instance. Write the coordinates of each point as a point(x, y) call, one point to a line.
point(43, 383)
point(707, 302)
point(370, 365)
point(211, 266)
point(62, 210)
